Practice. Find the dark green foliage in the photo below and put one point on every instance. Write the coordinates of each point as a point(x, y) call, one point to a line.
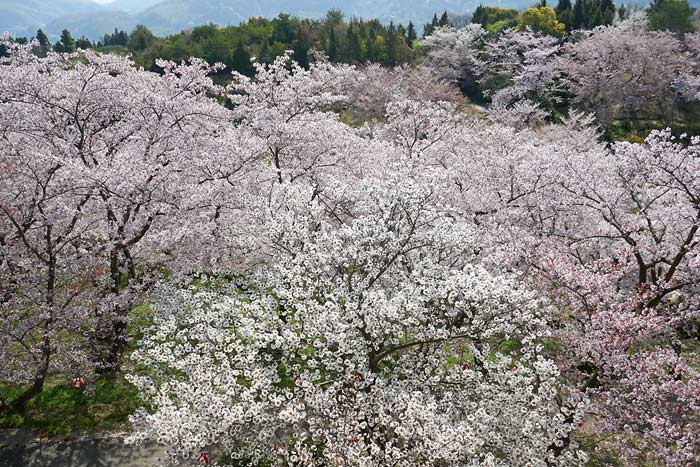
point(332, 49)
point(489, 15)
point(565, 13)
point(83, 43)
point(352, 41)
point(430, 27)
point(411, 35)
point(240, 60)
point(117, 38)
point(588, 14)
point(140, 38)
point(622, 11)
point(444, 19)
point(672, 15)
point(42, 38)
point(66, 43)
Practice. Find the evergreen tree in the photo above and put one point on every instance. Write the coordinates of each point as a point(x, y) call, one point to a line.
point(332, 46)
point(607, 11)
point(391, 45)
point(622, 11)
point(370, 51)
point(301, 47)
point(596, 18)
point(563, 5)
point(578, 20)
point(83, 43)
point(334, 17)
point(565, 13)
point(140, 38)
point(67, 42)
point(411, 35)
point(354, 48)
point(240, 60)
point(42, 38)
point(122, 38)
point(672, 15)
point(444, 20)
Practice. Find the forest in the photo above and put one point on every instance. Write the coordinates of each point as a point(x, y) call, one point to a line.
point(479, 249)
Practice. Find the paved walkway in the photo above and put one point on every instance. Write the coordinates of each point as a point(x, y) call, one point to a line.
point(19, 448)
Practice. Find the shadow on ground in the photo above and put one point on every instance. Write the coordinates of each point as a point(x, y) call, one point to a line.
point(18, 448)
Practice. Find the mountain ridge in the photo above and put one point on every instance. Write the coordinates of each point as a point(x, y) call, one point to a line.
point(91, 19)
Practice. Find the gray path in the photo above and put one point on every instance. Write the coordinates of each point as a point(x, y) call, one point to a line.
point(18, 448)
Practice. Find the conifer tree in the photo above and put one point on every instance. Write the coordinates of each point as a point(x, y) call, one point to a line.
point(411, 35)
point(240, 60)
point(444, 19)
point(332, 46)
point(391, 44)
point(42, 38)
point(67, 42)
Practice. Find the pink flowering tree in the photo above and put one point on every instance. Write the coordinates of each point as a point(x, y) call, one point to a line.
point(94, 191)
point(623, 70)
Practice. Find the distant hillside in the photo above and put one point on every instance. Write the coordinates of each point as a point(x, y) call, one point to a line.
point(171, 16)
point(92, 24)
point(21, 17)
point(86, 17)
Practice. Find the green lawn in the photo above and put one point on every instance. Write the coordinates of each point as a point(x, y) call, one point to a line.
point(63, 411)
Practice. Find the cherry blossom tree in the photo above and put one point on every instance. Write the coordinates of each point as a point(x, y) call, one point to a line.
point(94, 181)
point(371, 340)
point(622, 70)
point(610, 236)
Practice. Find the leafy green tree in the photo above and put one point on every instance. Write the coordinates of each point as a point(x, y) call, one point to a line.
point(204, 32)
point(283, 28)
point(217, 50)
point(380, 49)
point(140, 38)
point(334, 17)
point(671, 15)
point(240, 60)
point(490, 15)
point(541, 19)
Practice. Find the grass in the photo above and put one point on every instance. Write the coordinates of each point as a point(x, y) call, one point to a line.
point(61, 411)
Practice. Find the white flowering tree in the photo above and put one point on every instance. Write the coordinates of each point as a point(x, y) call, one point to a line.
point(370, 341)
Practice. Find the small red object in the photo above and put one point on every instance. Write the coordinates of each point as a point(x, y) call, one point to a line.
point(358, 378)
point(466, 366)
point(296, 378)
point(679, 410)
point(78, 383)
point(354, 440)
point(203, 458)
